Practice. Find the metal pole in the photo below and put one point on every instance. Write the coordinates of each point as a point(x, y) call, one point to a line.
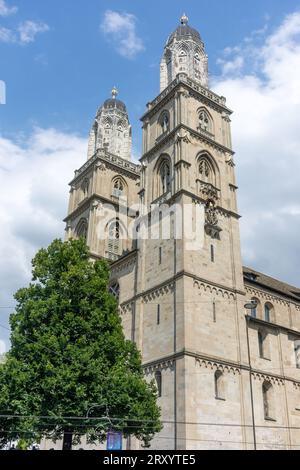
point(251, 387)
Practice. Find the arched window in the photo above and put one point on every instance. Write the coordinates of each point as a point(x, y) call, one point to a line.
point(197, 65)
point(158, 380)
point(114, 289)
point(205, 121)
point(164, 122)
point(268, 312)
point(297, 353)
point(85, 188)
point(183, 60)
point(114, 242)
point(107, 125)
point(255, 309)
point(165, 177)
point(82, 229)
point(118, 188)
point(268, 400)
point(206, 171)
point(219, 385)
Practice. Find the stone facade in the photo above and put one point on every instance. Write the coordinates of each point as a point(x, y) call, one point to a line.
point(229, 378)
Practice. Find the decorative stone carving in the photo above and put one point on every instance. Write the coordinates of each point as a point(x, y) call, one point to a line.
point(101, 166)
point(208, 191)
point(183, 136)
point(211, 218)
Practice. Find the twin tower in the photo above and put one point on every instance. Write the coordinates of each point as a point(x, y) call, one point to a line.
point(183, 306)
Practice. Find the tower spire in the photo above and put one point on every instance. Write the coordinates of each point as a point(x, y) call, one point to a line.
point(184, 19)
point(114, 92)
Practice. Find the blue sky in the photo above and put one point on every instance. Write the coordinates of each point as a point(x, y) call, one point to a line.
point(60, 59)
point(59, 79)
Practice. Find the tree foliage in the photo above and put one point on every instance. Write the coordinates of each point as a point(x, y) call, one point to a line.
point(70, 369)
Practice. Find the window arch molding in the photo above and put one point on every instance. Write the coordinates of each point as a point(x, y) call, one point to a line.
point(205, 120)
point(207, 169)
point(85, 186)
point(119, 187)
point(219, 380)
point(162, 182)
point(164, 122)
point(115, 235)
point(107, 123)
point(269, 312)
point(256, 311)
point(81, 230)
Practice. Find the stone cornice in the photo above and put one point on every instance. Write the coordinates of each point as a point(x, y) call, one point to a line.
point(101, 199)
point(103, 156)
point(183, 80)
point(275, 326)
point(171, 199)
point(274, 296)
point(160, 288)
point(126, 260)
point(171, 136)
point(217, 363)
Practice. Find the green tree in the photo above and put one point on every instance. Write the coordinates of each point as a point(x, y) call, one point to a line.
point(70, 371)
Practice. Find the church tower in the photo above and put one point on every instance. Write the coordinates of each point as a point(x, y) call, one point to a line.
point(192, 296)
point(104, 189)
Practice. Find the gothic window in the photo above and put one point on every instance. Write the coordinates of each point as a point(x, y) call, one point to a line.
point(158, 380)
point(118, 188)
point(82, 229)
point(114, 242)
point(121, 126)
point(165, 177)
point(219, 385)
point(85, 188)
point(297, 353)
point(183, 59)
point(206, 171)
point(268, 400)
point(205, 121)
point(164, 122)
point(114, 289)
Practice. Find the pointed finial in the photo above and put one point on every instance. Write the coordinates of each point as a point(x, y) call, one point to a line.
point(114, 92)
point(184, 19)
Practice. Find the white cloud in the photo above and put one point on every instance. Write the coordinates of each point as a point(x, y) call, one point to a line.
point(29, 29)
point(7, 35)
point(34, 179)
point(264, 92)
point(121, 30)
point(5, 10)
